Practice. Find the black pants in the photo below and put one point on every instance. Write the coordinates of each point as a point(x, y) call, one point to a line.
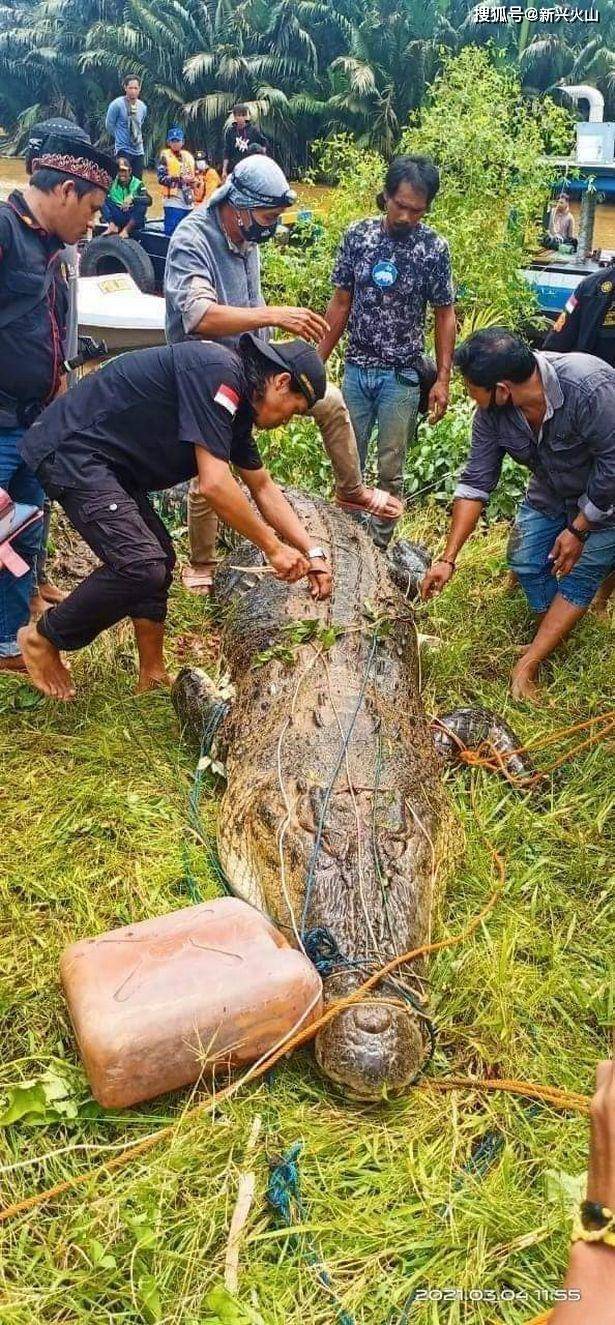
point(137, 163)
point(137, 555)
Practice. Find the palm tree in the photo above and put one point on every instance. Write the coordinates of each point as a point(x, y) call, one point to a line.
point(39, 47)
point(394, 52)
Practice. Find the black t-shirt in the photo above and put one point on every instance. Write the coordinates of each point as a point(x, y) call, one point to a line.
point(142, 415)
point(605, 344)
point(237, 141)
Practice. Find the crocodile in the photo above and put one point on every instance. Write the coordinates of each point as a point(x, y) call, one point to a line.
point(335, 815)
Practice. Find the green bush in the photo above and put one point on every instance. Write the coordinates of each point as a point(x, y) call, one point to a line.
point(438, 455)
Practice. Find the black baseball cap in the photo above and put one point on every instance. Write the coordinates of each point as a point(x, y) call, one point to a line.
point(296, 357)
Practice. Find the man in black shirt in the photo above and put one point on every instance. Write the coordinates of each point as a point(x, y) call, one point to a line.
point(240, 136)
point(149, 420)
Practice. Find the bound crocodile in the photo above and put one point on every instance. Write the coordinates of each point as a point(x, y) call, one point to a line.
point(334, 814)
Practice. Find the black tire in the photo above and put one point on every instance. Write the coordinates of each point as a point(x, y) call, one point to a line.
point(109, 254)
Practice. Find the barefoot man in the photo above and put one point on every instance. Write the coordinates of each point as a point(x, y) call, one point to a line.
point(147, 421)
point(555, 414)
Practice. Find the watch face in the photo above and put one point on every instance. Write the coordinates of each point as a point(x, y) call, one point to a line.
point(594, 1216)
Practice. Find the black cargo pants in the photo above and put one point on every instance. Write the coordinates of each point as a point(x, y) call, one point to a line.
point(137, 556)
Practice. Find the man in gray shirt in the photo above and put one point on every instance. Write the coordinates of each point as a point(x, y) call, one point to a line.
point(213, 290)
point(555, 414)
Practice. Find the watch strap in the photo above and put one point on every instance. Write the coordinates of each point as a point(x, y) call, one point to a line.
point(581, 534)
point(594, 1223)
point(316, 554)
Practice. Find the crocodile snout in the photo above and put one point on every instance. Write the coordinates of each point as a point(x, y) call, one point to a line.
point(372, 1050)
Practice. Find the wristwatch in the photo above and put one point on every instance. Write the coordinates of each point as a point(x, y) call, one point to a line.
point(581, 534)
point(594, 1223)
point(316, 554)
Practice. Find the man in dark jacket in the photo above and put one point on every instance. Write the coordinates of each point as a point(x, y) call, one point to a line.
point(66, 189)
point(587, 323)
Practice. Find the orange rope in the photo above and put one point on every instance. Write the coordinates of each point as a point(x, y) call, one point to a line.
point(541, 1320)
point(497, 761)
point(551, 1095)
point(560, 1099)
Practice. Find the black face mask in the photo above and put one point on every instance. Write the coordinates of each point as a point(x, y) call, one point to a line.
point(400, 230)
point(255, 232)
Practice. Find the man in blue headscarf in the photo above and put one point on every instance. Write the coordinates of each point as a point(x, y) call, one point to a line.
point(213, 291)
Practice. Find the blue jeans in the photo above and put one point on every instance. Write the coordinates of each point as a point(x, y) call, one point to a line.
point(15, 594)
point(380, 398)
point(530, 543)
point(111, 212)
point(172, 215)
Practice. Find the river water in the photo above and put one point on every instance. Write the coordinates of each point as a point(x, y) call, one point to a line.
point(13, 176)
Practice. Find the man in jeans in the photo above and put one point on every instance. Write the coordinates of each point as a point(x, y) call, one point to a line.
point(66, 189)
point(124, 121)
point(386, 273)
point(213, 291)
point(555, 414)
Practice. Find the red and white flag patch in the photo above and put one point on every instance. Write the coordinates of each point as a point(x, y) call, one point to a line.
point(228, 398)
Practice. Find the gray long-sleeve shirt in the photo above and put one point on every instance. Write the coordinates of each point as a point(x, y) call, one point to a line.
point(573, 457)
point(203, 267)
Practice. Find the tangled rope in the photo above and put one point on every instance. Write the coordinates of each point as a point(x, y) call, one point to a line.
point(285, 1200)
point(487, 756)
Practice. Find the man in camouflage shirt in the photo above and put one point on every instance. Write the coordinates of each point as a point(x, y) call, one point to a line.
point(388, 269)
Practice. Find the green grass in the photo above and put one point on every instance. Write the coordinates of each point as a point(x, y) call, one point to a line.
point(94, 809)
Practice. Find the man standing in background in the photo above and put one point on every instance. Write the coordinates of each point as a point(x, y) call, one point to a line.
point(176, 175)
point(387, 271)
point(240, 136)
point(124, 121)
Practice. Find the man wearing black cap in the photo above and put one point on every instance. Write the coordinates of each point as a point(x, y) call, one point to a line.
point(67, 186)
point(147, 421)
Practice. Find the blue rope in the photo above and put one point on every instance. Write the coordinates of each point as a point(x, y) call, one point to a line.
point(218, 712)
point(284, 1198)
point(319, 943)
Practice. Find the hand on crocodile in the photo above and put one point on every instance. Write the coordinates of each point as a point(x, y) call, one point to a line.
point(288, 563)
point(319, 578)
point(436, 578)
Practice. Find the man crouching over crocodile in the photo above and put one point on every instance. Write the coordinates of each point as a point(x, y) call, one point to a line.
point(147, 421)
point(554, 414)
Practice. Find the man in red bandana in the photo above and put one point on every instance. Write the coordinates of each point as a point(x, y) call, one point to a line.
point(67, 187)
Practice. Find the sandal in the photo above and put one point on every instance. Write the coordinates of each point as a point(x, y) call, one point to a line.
point(197, 580)
point(376, 505)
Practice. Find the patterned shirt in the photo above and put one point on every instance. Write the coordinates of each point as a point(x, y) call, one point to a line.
point(392, 280)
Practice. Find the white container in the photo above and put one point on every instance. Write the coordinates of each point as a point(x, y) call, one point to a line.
point(595, 143)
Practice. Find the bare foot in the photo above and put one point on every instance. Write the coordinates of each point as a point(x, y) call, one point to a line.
point(152, 681)
point(44, 664)
point(522, 683)
point(13, 663)
point(50, 593)
point(37, 604)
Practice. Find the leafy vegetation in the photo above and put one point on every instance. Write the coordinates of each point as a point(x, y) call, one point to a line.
point(307, 67)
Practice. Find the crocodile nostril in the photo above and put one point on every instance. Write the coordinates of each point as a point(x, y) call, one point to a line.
point(372, 1017)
